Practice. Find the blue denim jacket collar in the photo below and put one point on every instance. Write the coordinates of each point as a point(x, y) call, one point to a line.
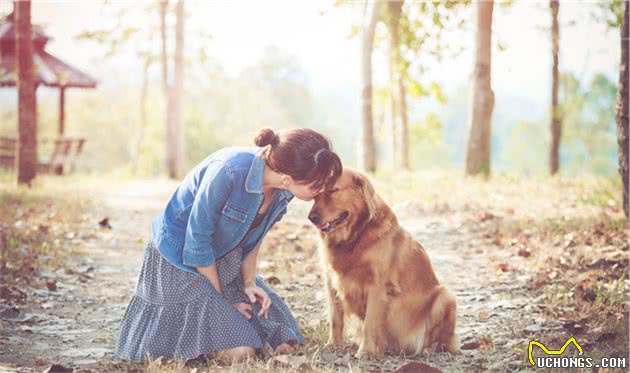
point(255, 176)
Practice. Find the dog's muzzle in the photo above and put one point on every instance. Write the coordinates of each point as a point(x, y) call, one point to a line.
point(331, 225)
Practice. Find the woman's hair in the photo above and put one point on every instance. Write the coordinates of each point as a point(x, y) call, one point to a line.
point(301, 153)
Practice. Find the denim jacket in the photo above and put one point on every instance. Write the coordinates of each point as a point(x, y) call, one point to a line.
point(213, 208)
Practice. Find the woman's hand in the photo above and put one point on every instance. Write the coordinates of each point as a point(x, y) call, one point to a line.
point(256, 294)
point(244, 308)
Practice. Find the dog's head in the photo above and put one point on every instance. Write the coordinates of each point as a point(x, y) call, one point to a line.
point(346, 208)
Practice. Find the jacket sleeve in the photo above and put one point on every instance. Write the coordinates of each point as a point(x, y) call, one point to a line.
point(210, 198)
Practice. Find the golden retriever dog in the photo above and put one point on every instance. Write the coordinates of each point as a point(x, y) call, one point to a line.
point(375, 270)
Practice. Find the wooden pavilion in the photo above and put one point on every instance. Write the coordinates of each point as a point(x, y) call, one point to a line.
point(49, 71)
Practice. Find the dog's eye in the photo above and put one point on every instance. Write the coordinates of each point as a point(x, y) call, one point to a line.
point(333, 190)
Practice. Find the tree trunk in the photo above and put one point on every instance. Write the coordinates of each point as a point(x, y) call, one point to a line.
point(170, 134)
point(556, 124)
point(397, 84)
point(404, 134)
point(368, 149)
point(135, 153)
point(27, 114)
point(623, 141)
point(164, 55)
point(482, 97)
point(394, 9)
point(178, 95)
point(393, 88)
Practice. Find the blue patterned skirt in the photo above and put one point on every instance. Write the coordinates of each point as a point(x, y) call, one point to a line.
point(177, 314)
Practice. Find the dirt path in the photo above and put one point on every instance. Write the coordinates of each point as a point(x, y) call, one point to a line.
point(75, 325)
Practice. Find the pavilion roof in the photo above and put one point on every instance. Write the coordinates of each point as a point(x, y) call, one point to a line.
point(48, 69)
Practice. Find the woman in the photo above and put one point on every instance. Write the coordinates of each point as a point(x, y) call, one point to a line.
point(198, 292)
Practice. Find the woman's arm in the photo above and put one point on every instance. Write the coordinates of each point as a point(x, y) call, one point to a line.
point(253, 292)
point(248, 268)
point(212, 275)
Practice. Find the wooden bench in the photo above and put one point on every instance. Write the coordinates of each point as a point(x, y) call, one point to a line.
point(62, 158)
point(8, 147)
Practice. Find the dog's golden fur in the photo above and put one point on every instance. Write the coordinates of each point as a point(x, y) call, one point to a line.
point(374, 269)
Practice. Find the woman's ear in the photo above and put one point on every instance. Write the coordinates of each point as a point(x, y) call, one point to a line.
point(286, 180)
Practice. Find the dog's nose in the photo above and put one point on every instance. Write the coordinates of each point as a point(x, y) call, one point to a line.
point(314, 218)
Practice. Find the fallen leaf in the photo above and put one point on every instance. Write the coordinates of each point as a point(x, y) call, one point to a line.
point(485, 217)
point(574, 327)
point(524, 253)
point(104, 223)
point(502, 267)
point(57, 368)
point(417, 367)
point(273, 280)
point(484, 314)
point(477, 343)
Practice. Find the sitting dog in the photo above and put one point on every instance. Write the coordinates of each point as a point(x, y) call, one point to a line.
point(375, 270)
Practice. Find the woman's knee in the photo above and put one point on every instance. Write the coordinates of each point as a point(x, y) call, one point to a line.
point(238, 353)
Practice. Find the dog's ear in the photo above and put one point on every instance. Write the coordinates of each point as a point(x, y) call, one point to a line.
point(363, 184)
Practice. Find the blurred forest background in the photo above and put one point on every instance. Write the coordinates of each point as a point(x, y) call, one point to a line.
point(242, 71)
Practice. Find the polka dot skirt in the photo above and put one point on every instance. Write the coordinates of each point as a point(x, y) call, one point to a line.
point(177, 314)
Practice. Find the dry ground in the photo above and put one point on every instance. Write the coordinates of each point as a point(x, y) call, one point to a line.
point(537, 259)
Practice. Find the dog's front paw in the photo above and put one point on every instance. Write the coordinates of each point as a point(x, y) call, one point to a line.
point(367, 351)
point(331, 343)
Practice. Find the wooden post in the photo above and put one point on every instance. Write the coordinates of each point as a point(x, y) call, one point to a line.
point(62, 110)
point(27, 112)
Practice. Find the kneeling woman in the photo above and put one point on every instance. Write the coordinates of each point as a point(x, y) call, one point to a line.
point(198, 292)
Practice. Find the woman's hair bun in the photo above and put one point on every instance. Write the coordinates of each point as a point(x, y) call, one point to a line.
point(265, 137)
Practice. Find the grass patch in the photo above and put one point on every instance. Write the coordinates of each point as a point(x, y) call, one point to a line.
point(39, 226)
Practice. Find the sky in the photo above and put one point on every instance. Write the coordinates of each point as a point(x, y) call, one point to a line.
point(316, 33)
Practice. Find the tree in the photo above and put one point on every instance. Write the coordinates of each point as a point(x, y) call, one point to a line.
point(27, 115)
point(482, 96)
point(415, 37)
point(556, 124)
point(173, 92)
point(622, 109)
point(368, 158)
point(400, 126)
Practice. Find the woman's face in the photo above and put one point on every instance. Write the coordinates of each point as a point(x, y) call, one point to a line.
point(303, 191)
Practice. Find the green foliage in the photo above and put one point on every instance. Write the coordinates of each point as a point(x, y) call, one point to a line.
point(588, 139)
point(425, 140)
point(528, 148)
point(589, 135)
point(611, 12)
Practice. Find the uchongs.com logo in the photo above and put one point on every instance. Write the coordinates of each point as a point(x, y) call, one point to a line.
point(557, 359)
